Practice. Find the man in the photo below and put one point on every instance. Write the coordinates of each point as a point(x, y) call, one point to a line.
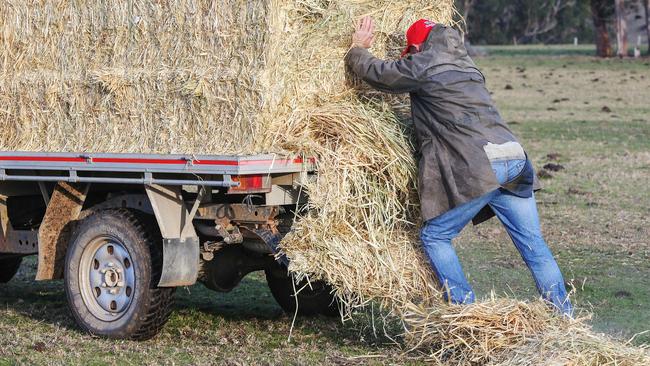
point(471, 166)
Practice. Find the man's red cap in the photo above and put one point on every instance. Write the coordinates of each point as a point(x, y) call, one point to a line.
point(417, 34)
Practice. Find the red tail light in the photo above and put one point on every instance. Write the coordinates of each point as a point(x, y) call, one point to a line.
point(251, 184)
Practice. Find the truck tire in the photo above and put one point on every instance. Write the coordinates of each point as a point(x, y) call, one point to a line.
point(314, 300)
point(112, 269)
point(8, 268)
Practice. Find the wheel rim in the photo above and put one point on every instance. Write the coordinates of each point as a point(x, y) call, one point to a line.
point(107, 278)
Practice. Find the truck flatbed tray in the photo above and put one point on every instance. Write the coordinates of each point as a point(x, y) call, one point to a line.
point(144, 168)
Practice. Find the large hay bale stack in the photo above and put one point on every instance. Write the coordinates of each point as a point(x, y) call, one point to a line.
point(234, 76)
point(131, 76)
point(194, 76)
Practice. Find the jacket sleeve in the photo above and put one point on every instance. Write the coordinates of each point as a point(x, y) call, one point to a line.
point(397, 77)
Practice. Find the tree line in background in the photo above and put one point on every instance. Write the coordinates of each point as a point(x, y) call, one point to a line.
point(556, 21)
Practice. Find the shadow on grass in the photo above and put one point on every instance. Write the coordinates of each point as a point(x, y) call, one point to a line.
point(42, 301)
point(249, 306)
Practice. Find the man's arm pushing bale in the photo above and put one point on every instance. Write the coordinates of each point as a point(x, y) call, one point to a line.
point(471, 166)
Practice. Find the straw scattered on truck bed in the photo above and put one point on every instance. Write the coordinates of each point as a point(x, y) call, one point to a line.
point(234, 76)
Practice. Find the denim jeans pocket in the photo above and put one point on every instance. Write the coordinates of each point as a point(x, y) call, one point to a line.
point(500, 169)
point(507, 170)
point(514, 168)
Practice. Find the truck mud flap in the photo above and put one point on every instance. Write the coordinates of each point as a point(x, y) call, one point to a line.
point(180, 262)
point(54, 233)
point(181, 250)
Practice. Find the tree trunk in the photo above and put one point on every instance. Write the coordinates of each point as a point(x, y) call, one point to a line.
point(603, 44)
point(545, 20)
point(467, 9)
point(621, 29)
point(646, 6)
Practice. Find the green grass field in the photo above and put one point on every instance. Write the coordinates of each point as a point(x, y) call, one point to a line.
point(589, 115)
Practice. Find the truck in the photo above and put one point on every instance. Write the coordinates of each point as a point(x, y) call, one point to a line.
point(124, 230)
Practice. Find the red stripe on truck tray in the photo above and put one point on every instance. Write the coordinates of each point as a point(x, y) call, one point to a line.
point(43, 158)
point(216, 162)
point(253, 162)
point(277, 161)
point(65, 159)
point(138, 161)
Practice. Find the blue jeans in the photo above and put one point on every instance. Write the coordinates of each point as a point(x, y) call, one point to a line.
point(520, 218)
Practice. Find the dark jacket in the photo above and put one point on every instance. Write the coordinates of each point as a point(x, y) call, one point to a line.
point(454, 118)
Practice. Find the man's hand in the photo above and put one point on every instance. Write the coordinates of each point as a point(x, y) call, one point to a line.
point(364, 35)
